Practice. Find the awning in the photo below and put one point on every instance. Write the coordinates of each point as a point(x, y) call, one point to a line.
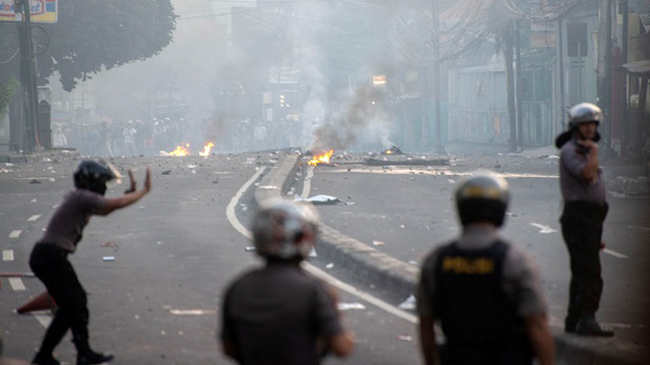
point(638, 67)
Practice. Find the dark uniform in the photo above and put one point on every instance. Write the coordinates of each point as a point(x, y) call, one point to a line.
point(485, 293)
point(585, 209)
point(479, 288)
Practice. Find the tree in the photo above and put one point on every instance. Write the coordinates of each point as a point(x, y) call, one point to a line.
point(92, 35)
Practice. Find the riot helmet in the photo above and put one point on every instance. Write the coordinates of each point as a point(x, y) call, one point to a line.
point(285, 231)
point(584, 113)
point(94, 176)
point(482, 197)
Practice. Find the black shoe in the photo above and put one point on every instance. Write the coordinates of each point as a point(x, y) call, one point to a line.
point(45, 360)
point(589, 327)
point(92, 357)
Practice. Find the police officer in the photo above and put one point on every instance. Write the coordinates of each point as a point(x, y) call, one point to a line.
point(279, 314)
point(485, 293)
point(585, 209)
point(49, 257)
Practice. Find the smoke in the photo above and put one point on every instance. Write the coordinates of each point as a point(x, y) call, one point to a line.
point(362, 120)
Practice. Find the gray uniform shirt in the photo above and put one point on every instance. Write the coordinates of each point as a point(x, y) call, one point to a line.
point(573, 159)
point(521, 279)
point(274, 315)
point(65, 229)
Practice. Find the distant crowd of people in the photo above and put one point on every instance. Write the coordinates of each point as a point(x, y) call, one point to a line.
point(131, 138)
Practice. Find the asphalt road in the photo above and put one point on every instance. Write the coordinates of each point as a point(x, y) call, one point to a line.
point(157, 301)
point(406, 211)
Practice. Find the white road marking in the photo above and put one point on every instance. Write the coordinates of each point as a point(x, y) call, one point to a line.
point(543, 228)
point(306, 185)
point(230, 213)
point(17, 284)
point(614, 253)
point(15, 234)
point(34, 217)
point(230, 209)
point(7, 255)
point(640, 228)
point(43, 319)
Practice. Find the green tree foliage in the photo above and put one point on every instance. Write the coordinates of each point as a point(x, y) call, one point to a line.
point(92, 35)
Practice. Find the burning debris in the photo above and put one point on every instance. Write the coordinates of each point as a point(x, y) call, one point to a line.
point(322, 158)
point(184, 150)
point(392, 150)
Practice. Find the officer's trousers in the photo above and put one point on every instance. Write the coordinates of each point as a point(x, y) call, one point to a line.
point(50, 264)
point(582, 229)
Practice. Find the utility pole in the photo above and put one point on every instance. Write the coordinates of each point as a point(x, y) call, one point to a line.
point(440, 148)
point(510, 79)
point(627, 131)
point(28, 75)
point(519, 88)
point(604, 65)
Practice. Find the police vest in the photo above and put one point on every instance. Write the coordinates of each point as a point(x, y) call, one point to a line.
point(470, 302)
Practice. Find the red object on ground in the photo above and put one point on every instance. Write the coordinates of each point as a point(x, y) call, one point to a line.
point(602, 245)
point(41, 302)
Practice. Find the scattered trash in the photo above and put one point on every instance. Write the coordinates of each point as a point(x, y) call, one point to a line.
point(34, 181)
point(33, 201)
point(329, 266)
point(108, 258)
point(405, 338)
point(52, 179)
point(348, 306)
point(313, 253)
point(166, 172)
point(191, 166)
point(378, 243)
point(543, 228)
point(409, 303)
point(250, 248)
point(402, 226)
point(451, 181)
point(4, 171)
point(109, 244)
point(322, 199)
point(8, 164)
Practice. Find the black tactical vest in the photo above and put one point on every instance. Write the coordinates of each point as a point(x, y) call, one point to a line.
point(470, 302)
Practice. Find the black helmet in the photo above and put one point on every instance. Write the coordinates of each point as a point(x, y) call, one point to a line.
point(482, 197)
point(584, 113)
point(284, 230)
point(93, 175)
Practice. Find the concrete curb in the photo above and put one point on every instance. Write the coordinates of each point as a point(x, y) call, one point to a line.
point(399, 278)
point(363, 261)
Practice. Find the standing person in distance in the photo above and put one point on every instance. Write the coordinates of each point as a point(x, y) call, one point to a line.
point(583, 215)
point(49, 257)
point(485, 293)
point(280, 314)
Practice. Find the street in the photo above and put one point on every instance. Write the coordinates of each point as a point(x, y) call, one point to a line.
point(174, 253)
point(157, 301)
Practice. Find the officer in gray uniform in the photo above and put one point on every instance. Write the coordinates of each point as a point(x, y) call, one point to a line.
point(49, 257)
point(485, 293)
point(278, 313)
point(585, 209)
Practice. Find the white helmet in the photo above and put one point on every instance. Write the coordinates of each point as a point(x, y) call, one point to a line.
point(285, 230)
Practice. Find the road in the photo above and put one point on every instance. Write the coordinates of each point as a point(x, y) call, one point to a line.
point(408, 210)
point(174, 252)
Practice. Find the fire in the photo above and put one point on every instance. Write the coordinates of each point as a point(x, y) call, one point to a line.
point(389, 152)
point(180, 151)
point(206, 149)
point(322, 158)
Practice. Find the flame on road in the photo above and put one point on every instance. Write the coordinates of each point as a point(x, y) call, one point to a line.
point(184, 150)
point(321, 158)
point(206, 149)
point(180, 151)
